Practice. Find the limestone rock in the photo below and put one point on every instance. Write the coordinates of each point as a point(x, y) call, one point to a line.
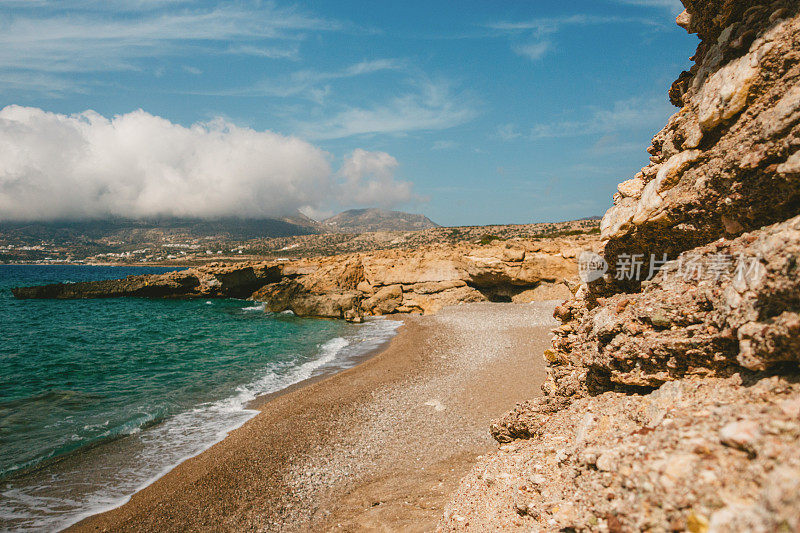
point(545, 291)
point(631, 188)
point(386, 269)
point(349, 286)
point(725, 93)
point(385, 301)
point(228, 281)
point(737, 130)
point(734, 317)
point(681, 476)
point(679, 391)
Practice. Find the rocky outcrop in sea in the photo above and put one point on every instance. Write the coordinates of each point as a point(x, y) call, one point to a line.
point(352, 286)
point(672, 400)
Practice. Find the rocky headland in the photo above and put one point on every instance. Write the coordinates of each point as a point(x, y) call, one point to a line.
point(672, 401)
point(351, 286)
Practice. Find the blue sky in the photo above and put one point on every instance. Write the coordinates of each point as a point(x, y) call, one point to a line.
point(490, 112)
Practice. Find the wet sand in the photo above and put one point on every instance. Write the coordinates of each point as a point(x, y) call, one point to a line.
point(377, 447)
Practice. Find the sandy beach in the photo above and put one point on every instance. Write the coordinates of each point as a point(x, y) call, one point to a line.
point(377, 447)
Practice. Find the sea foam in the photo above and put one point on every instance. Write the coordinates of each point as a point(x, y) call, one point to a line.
point(130, 464)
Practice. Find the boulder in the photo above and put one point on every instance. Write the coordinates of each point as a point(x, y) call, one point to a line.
point(386, 300)
point(543, 292)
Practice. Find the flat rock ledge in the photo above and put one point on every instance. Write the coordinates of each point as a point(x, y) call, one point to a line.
point(356, 285)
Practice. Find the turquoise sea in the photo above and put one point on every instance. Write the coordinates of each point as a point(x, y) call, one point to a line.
point(100, 397)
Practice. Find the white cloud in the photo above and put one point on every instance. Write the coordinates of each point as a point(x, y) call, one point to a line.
point(537, 31)
point(93, 36)
point(317, 214)
point(292, 52)
point(56, 166)
point(508, 132)
point(40, 82)
point(533, 51)
point(103, 5)
point(613, 143)
point(368, 178)
point(674, 6)
point(548, 26)
point(307, 82)
point(444, 145)
point(434, 106)
point(623, 115)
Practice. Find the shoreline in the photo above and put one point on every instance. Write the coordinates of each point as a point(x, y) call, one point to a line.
point(261, 400)
point(257, 476)
point(258, 404)
point(363, 344)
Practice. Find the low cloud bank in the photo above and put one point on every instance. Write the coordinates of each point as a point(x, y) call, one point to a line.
point(136, 165)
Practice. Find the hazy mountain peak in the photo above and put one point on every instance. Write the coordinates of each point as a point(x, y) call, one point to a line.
point(373, 219)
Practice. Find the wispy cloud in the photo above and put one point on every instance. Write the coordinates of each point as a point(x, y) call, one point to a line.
point(533, 51)
point(623, 115)
point(95, 5)
point(432, 106)
point(272, 52)
point(311, 84)
point(508, 132)
point(94, 36)
point(533, 38)
point(549, 25)
point(444, 145)
point(613, 143)
point(39, 82)
point(674, 6)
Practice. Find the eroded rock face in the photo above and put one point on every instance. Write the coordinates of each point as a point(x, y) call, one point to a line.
point(714, 455)
point(726, 162)
point(672, 404)
point(727, 307)
point(425, 280)
point(741, 103)
point(357, 285)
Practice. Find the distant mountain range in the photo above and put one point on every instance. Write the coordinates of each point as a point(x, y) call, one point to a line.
point(171, 229)
point(366, 220)
point(156, 230)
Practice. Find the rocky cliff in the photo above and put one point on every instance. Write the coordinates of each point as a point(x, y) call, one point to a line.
point(352, 286)
point(672, 401)
point(426, 279)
